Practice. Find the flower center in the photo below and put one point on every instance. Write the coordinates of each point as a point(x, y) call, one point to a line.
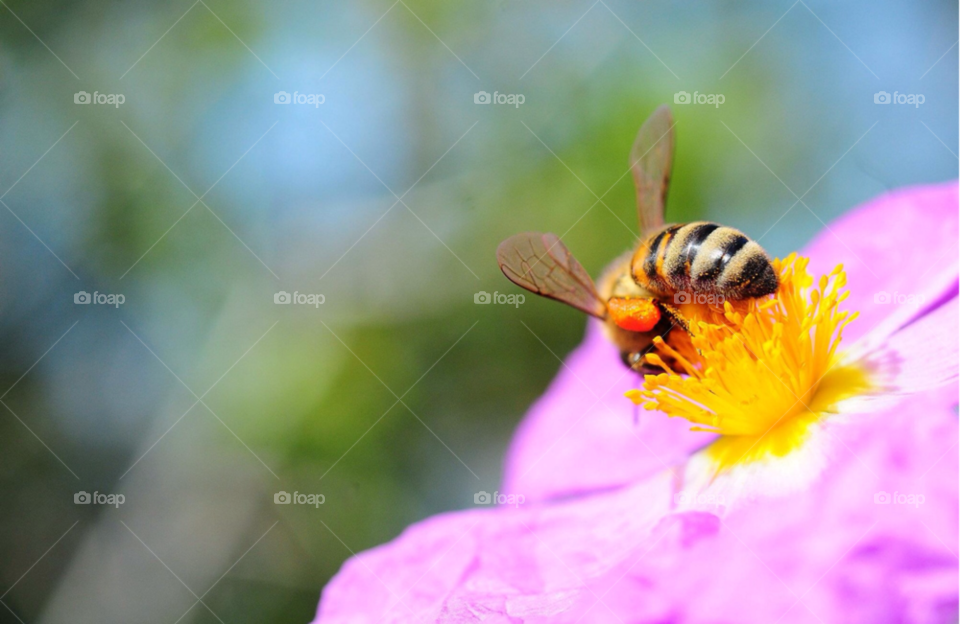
point(760, 368)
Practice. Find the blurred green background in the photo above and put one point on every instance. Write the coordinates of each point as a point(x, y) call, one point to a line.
point(199, 398)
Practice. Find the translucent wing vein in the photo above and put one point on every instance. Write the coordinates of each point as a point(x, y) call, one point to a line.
point(543, 265)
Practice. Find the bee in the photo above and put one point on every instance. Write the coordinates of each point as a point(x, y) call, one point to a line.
point(638, 293)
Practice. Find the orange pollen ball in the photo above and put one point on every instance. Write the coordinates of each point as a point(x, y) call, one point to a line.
point(635, 314)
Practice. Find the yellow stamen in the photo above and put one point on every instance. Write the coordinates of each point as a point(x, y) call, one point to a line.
point(758, 372)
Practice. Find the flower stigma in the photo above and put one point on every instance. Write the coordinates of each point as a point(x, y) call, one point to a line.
point(762, 372)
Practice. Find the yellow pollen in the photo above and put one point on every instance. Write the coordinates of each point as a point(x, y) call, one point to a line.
point(758, 372)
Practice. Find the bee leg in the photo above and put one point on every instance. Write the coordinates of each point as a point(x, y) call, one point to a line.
point(674, 315)
point(634, 361)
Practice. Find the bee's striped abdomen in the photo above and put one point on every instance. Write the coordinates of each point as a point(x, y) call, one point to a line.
point(655, 255)
point(688, 243)
point(704, 257)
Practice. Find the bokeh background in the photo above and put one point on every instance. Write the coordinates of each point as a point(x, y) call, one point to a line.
point(199, 198)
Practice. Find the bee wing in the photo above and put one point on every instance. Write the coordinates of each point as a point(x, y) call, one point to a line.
point(543, 265)
point(651, 161)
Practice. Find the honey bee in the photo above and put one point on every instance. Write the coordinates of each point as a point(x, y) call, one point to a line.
point(638, 293)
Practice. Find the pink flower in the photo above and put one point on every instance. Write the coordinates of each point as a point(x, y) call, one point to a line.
point(608, 532)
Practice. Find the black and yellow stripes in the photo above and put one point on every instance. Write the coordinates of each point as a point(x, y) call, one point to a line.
point(689, 243)
point(657, 250)
point(703, 257)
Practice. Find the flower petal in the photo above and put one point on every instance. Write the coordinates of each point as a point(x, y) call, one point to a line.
point(861, 546)
point(899, 250)
point(873, 541)
point(531, 564)
point(922, 356)
point(583, 435)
